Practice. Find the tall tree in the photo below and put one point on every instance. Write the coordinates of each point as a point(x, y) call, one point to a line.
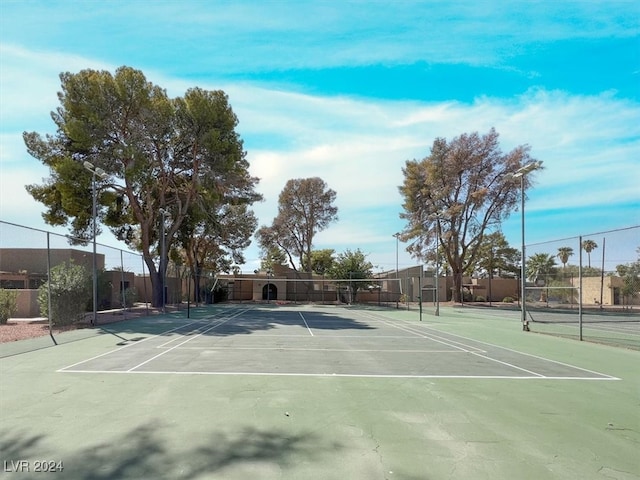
point(213, 241)
point(352, 265)
point(463, 188)
point(589, 246)
point(496, 257)
point(322, 260)
point(160, 155)
point(630, 274)
point(540, 265)
point(305, 207)
point(272, 258)
point(563, 254)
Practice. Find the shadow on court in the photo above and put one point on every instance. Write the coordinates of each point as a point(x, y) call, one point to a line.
point(238, 321)
point(261, 319)
point(143, 452)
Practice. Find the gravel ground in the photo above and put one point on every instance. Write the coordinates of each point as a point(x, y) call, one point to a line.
point(22, 329)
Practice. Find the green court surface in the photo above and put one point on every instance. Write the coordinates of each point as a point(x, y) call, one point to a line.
point(318, 392)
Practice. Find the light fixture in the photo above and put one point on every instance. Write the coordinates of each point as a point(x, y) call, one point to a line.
point(96, 172)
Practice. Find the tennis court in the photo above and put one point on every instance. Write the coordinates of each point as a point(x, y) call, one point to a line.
point(273, 391)
point(319, 341)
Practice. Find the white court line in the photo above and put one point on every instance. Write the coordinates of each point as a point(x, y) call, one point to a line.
point(305, 323)
point(522, 353)
point(188, 333)
point(486, 357)
point(125, 346)
point(533, 356)
point(338, 375)
point(301, 349)
point(187, 340)
point(449, 343)
point(131, 344)
point(406, 328)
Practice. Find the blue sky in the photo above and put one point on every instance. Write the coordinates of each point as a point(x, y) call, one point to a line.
point(349, 91)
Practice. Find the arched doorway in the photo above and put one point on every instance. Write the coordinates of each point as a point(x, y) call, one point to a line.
point(269, 292)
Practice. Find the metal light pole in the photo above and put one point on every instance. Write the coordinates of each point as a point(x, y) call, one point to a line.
point(521, 173)
point(437, 267)
point(95, 171)
point(397, 235)
point(437, 216)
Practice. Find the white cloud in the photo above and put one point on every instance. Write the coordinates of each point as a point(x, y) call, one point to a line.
point(590, 145)
point(29, 84)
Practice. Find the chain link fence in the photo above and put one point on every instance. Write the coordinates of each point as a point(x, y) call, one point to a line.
point(112, 285)
point(586, 287)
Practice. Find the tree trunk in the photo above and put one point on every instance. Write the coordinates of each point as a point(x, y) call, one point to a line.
point(457, 286)
point(157, 298)
point(156, 282)
point(197, 297)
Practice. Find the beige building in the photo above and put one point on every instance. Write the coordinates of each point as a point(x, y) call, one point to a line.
point(605, 291)
point(25, 270)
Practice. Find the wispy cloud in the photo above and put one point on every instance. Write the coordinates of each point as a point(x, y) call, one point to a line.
point(284, 66)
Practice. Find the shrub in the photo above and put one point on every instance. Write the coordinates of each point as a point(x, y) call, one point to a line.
point(480, 298)
point(8, 304)
point(508, 300)
point(130, 297)
point(70, 292)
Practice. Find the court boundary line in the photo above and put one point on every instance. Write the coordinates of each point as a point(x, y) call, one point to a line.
point(156, 335)
point(338, 375)
point(285, 349)
point(222, 322)
point(593, 372)
point(557, 362)
point(468, 349)
point(126, 346)
point(305, 323)
point(404, 326)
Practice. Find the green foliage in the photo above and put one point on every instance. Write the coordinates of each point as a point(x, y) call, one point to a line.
point(305, 207)
point(589, 246)
point(274, 256)
point(540, 266)
point(8, 304)
point(573, 271)
point(179, 155)
point(322, 260)
point(351, 265)
point(508, 300)
point(630, 274)
point(462, 189)
point(562, 294)
point(70, 286)
point(130, 297)
point(496, 257)
point(563, 254)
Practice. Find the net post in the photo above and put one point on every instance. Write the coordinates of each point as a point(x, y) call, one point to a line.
point(49, 313)
point(580, 286)
point(124, 296)
point(420, 294)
